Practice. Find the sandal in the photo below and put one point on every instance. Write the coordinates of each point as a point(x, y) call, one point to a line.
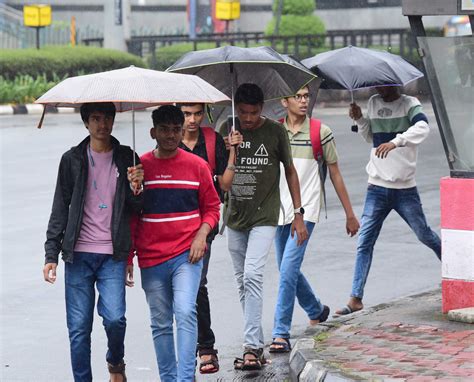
point(280, 347)
point(214, 361)
point(118, 369)
point(252, 363)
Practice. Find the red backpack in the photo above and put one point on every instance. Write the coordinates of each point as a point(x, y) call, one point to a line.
point(210, 140)
point(315, 138)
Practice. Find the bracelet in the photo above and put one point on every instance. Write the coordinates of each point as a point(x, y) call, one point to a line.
point(230, 167)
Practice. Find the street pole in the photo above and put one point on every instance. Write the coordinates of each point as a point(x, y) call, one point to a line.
point(278, 17)
point(192, 18)
point(37, 37)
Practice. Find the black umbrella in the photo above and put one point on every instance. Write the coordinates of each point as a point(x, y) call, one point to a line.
point(229, 66)
point(355, 68)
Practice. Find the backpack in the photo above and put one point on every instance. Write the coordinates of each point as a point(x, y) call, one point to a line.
point(210, 140)
point(315, 138)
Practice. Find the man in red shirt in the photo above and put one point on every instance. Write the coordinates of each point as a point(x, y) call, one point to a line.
point(181, 208)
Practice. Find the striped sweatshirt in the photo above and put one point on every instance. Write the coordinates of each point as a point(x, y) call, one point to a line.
point(179, 197)
point(403, 123)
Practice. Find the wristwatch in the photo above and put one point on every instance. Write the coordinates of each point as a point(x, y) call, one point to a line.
point(299, 210)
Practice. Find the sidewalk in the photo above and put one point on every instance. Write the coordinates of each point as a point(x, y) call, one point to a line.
point(407, 340)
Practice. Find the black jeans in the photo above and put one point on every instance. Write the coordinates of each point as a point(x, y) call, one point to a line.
point(206, 338)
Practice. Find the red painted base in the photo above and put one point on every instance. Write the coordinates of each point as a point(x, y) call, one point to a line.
point(457, 294)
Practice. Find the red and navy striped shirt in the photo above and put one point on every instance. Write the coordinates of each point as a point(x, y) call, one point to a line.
point(179, 197)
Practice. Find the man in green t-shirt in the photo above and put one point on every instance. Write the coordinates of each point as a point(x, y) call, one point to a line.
point(254, 205)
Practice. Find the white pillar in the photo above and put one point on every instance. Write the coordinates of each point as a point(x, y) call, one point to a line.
point(117, 14)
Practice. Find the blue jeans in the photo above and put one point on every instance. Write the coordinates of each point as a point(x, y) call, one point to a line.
point(249, 252)
point(292, 282)
point(89, 270)
point(171, 288)
point(378, 204)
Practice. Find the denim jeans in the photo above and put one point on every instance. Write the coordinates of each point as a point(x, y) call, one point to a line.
point(249, 251)
point(89, 270)
point(378, 204)
point(292, 282)
point(171, 288)
point(206, 338)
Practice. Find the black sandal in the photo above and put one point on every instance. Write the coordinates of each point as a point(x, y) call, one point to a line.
point(249, 364)
point(214, 361)
point(284, 347)
point(118, 369)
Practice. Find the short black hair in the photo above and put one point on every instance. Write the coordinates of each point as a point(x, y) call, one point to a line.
point(108, 108)
point(250, 94)
point(180, 105)
point(167, 114)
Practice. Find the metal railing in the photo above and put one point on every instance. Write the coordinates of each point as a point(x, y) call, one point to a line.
point(398, 40)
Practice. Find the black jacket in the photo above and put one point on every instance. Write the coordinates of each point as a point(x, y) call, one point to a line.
point(69, 198)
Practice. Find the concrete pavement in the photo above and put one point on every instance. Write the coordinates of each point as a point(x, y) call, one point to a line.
point(407, 340)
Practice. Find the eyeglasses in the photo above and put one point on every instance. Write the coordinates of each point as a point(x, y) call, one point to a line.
point(301, 97)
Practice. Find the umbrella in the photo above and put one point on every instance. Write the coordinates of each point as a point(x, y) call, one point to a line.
point(131, 88)
point(229, 66)
point(355, 68)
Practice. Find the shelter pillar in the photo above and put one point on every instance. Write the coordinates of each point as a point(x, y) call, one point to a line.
point(457, 235)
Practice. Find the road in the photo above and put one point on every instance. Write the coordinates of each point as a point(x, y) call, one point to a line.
point(34, 342)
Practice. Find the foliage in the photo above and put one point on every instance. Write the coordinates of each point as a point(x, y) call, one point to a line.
point(24, 88)
point(62, 61)
point(295, 7)
point(297, 19)
point(168, 55)
point(291, 25)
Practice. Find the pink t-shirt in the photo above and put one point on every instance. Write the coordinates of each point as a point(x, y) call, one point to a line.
point(96, 230)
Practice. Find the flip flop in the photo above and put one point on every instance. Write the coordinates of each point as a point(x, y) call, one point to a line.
point(345, 311)
point(285, 346)
point(324, 315)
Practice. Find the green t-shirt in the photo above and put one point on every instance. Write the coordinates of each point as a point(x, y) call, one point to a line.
point(255, 196)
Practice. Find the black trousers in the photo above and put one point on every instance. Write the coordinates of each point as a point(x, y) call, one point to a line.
point(206, 338)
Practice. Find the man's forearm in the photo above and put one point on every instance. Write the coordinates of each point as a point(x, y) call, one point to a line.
point(293, 185)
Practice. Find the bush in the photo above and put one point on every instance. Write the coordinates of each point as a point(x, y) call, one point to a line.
point(24, 89)
point(295, 7)
point(168, 55)
point(60, 61)
point(291, 25)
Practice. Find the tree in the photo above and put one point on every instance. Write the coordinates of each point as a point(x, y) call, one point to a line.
point(297, 18)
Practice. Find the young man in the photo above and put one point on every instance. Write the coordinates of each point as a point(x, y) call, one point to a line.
point(89, 224)
point(197, 140)
point(181, 208)
point(289, 255)
point(254, 207)
point(395, 125)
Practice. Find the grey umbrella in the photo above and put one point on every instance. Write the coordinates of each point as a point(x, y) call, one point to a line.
point(229, 66)
point(355, 68)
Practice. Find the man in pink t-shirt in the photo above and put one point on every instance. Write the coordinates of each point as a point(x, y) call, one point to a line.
point(96, 192)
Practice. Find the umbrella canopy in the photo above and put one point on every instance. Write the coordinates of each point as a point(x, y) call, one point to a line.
point(354, 68)
point(229, 66)
point(132, 88)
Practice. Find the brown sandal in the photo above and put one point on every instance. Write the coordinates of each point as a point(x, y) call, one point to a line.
point(118, 369)
point(214, 361)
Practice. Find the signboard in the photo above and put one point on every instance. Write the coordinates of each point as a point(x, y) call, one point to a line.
point(227, 9)
point(37, 15)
